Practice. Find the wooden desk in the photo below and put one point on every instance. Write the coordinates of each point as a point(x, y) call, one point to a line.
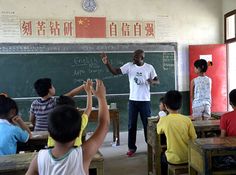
point(202, 127)
point(114, 116)
point(16, 163)
point(155, 145)
point(19, 163)
point(38, 141)
point(217, 115)
point(30, 125)
point(201, 151)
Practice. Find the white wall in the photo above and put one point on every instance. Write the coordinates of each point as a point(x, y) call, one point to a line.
point(183, 21)
point(228, 5)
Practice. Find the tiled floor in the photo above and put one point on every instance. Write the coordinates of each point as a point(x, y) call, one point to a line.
point(116, 161)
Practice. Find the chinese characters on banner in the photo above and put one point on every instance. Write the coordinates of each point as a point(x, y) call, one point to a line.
point(118, 29)
point(87, 27)
point(47, 28)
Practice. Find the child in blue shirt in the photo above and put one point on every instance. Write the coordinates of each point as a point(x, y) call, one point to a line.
point(12, 127)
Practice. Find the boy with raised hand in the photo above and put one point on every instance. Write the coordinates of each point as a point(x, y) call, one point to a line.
point(178, 130)
point(64, 127)
point(40, 108)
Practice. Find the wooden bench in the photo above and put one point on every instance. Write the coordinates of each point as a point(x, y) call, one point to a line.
point(177, 169)
point(98, 164)
point(19, 163)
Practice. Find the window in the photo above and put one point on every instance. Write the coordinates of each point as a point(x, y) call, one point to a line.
point(230, 27)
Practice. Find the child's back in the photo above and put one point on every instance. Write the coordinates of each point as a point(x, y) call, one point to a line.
point(40, 108)
point(177, 128)
point(201, 92)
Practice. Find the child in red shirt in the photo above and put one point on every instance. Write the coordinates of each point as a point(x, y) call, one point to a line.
point(228, 120)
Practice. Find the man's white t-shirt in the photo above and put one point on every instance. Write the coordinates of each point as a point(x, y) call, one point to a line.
point(138, 76)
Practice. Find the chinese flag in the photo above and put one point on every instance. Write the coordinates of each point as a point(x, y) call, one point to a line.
point(90, 27)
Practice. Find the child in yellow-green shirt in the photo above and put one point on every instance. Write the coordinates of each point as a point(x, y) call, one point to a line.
point(178, 130)
point(66, 100)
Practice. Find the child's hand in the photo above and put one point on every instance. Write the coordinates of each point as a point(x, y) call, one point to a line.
point(100, 91)
point(15, 120)
point(104, 58)
point(88, 86)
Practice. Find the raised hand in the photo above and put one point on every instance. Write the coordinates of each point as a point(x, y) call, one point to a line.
point(88, 85)
point(100, 91)
point(104, 58)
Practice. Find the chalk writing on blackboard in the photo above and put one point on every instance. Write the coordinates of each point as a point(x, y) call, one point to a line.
point(168, 61)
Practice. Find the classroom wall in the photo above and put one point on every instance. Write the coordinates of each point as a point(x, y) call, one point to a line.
point(183, 21)
point(228, 6)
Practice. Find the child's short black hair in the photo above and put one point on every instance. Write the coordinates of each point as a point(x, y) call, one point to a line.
point(64, 123)
point(201, 64)
point(232, 97)
point(173, 100)
point(65, 100)
point(161, 100)
point(42, 86)
point(6, 104)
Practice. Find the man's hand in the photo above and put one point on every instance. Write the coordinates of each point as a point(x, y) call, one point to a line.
point(104, 58)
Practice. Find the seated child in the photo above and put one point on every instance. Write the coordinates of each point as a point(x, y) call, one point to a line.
point(66, 100)
point(163, 112)
point(64, 126)
point(12, 127)
point(40, 108)
point(228, 120)
point(227, 128)
point(178, 130)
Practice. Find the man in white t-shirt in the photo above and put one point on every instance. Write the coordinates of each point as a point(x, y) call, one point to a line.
point(141, 75)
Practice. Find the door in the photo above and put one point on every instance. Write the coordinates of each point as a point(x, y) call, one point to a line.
point(217, 72)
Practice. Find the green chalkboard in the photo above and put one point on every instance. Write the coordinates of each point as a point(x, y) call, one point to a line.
point(67, 70)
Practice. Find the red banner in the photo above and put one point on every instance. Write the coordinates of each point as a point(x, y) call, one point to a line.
point(90, 27)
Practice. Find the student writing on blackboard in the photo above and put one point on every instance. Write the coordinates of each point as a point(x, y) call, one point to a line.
point(40, 108)
point(141, 75)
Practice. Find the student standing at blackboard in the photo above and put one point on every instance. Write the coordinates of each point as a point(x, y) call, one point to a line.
point(40, 108)
point(141, 75)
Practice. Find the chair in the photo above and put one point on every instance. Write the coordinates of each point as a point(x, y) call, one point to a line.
point(177, 169)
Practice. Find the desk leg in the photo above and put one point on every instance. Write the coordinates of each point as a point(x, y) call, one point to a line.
point(192, 171)
point(116, 131)
point(100, 170)
point(150, 159)
point(157, 154)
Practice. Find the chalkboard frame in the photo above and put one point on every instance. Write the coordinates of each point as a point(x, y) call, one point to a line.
point(42, 48)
